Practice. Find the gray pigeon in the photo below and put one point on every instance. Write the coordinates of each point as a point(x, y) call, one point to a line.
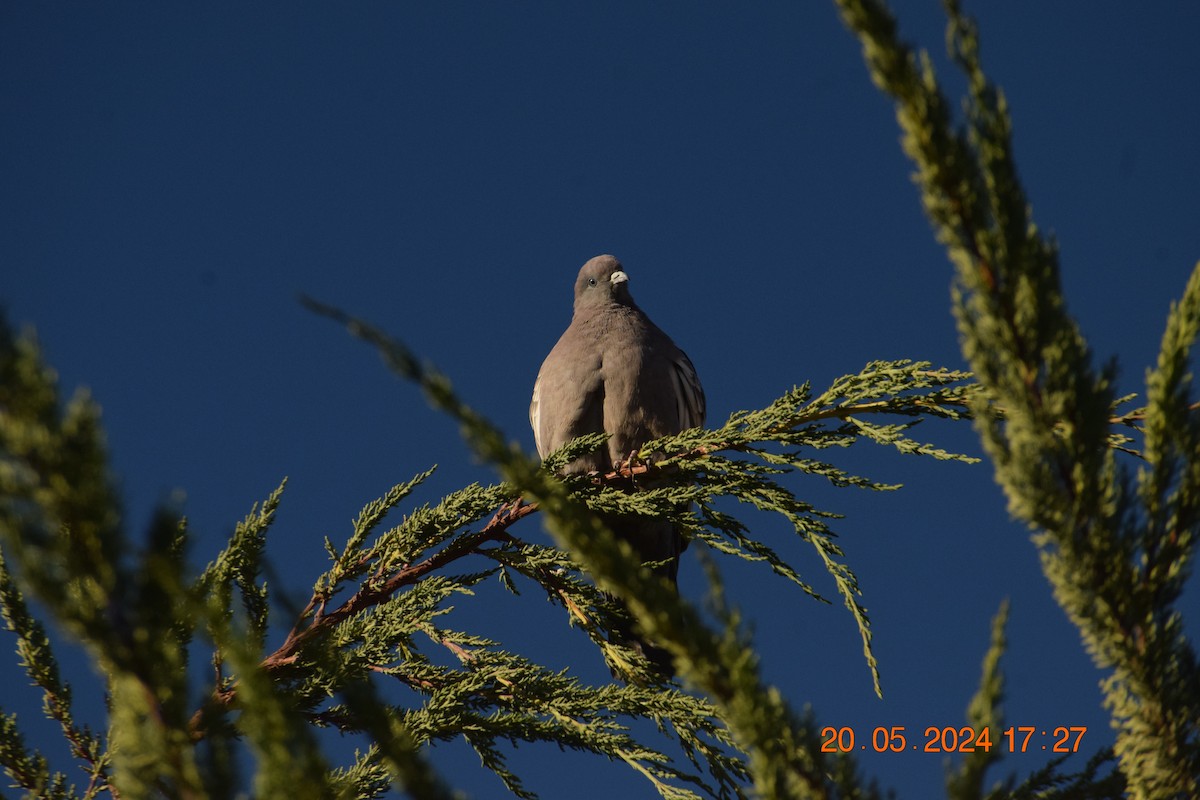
point(615, 371)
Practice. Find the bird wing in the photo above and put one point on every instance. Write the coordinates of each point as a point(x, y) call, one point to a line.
point(535, 408)
point(535, 417)
point(689, 395)
point(568, 397)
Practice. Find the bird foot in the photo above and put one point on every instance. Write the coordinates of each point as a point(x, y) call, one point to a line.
point(627, 464)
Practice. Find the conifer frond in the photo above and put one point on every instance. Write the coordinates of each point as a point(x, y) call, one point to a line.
point(352, 561)
point(743, 459)
point(1098, 780)
point(59, 521)
point(59, 518)
point(37, 658)
point(393, 747)
point(966, 781)
point(692, 468)
point(26, 768)
point(1115, 559)
point(365, 779)
point(239, 565)
point(290, 763)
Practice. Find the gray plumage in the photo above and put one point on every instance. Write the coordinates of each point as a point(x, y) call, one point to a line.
point(615, 371)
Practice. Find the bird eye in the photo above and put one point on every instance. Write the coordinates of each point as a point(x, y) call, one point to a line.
point(591, 281)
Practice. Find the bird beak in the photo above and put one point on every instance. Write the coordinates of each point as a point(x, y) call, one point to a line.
point(618, 278)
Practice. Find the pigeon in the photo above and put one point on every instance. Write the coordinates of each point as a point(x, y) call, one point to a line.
point(614, 371)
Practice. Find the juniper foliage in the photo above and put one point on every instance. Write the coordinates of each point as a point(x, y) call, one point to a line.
point(1116, 543)
point(375, 616)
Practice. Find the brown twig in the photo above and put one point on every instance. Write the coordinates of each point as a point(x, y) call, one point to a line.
point(374, 592)
point(370, 593)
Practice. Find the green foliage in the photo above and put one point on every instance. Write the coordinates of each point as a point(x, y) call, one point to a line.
point(701, 467)
point(54, 480)
point(1117, 557)
point(377, 614)
point(238, 565)
point(33, 650)
point(966, 781)
point(1048, 783)
point(373, 653)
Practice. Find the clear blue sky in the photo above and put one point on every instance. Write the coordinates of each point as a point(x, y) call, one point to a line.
point(172, 175)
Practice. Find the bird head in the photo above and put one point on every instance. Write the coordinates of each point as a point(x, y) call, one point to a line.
point(602, 281)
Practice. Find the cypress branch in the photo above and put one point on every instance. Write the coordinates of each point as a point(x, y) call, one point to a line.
point(28, 769)
point(983, 713)
point(239, 565)
point(37, 657)
point(785, 758)
point(1116, 560)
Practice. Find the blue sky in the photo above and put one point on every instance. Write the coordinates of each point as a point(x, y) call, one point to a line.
point(174, 175)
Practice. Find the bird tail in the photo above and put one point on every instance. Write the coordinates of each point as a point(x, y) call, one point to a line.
point(661, 661)
point(655, 540)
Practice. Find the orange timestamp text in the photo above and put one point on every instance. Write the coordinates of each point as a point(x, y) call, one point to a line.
point(947, 739)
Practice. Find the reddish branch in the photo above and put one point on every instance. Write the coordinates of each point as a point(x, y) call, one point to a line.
point(373, 592)
point(314, 621)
